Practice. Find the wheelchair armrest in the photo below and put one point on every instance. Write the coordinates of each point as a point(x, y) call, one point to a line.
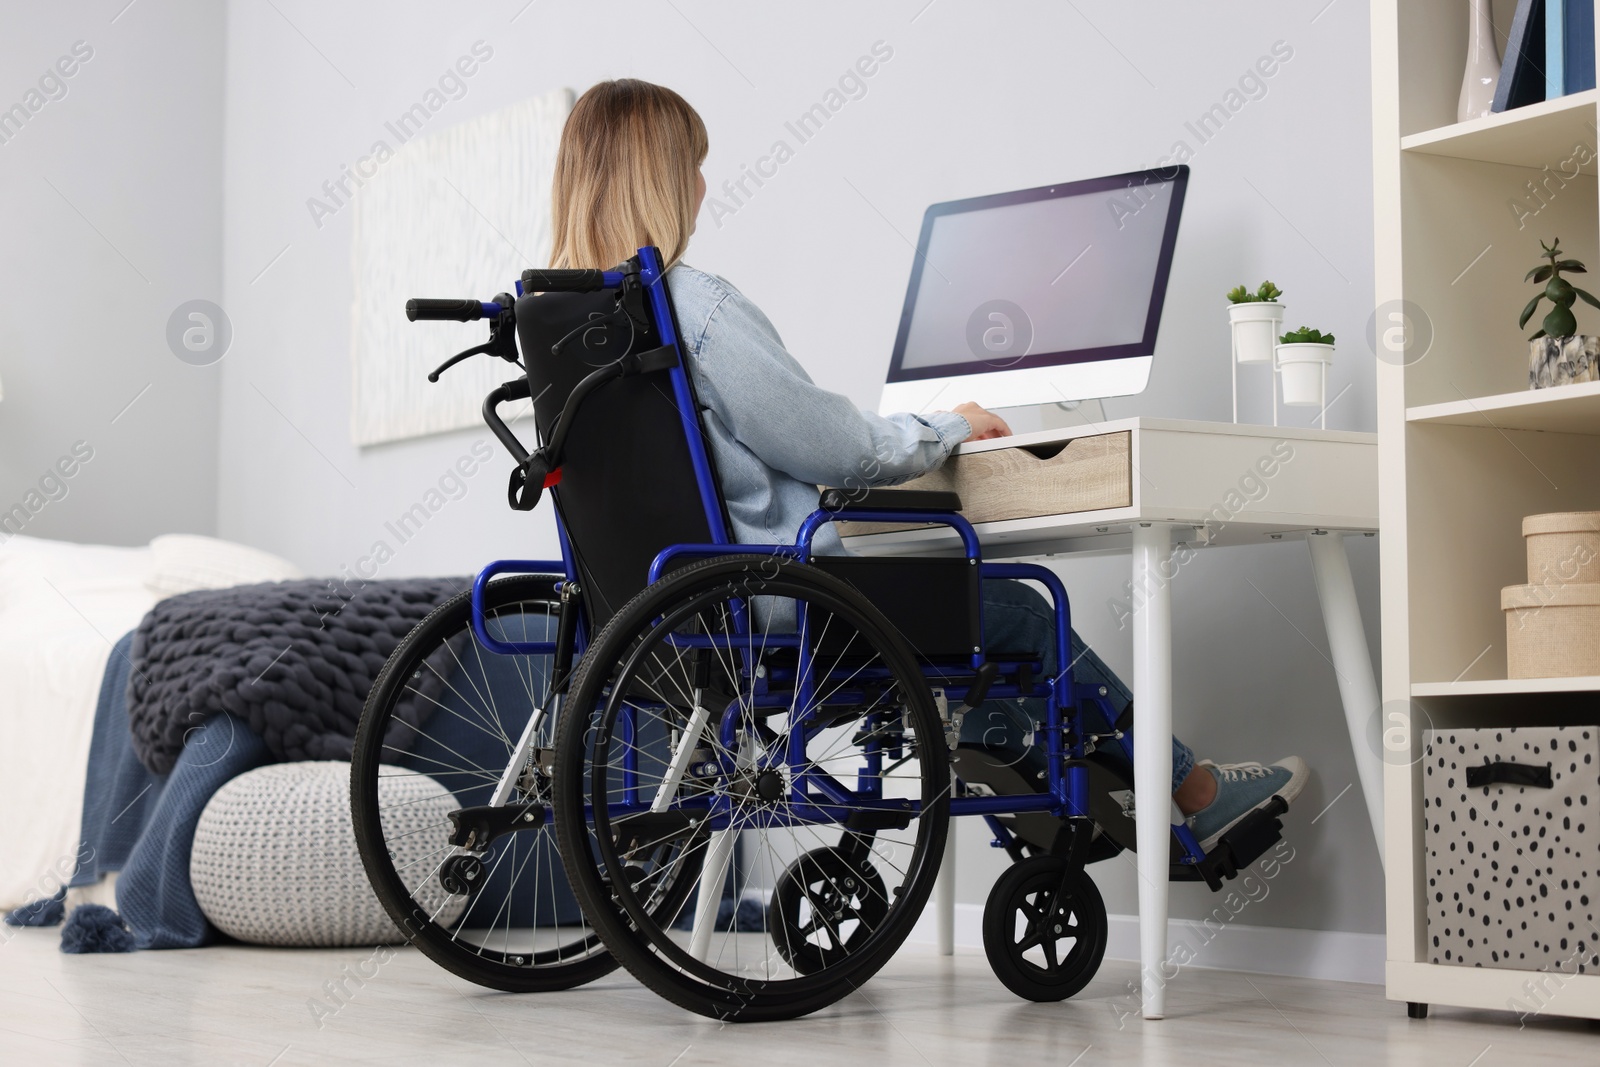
point(891, 499)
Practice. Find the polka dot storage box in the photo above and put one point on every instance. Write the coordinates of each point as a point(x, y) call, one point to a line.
point(275, 860)
point(1513, 867)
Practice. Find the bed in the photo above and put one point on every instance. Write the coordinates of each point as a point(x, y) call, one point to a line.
point(112, 808)
point(63, 606)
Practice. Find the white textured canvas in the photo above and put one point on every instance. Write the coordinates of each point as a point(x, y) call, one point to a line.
point(458, 213)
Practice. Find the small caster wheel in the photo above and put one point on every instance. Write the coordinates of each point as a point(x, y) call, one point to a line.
point(1044, 929)
point(823, 908)
point(1414, 1010)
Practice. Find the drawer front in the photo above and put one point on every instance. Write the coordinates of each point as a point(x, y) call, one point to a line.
point(1087, 474)
point(1512, 868)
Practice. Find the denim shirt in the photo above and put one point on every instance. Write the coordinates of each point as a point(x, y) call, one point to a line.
point(775, 436)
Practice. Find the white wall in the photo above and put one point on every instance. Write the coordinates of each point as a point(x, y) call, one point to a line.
point(975, 99)
point(112, 218)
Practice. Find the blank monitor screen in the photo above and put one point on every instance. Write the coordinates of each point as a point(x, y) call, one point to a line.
point(1044, 277)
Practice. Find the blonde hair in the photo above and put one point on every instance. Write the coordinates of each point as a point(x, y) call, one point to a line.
point(625, 175)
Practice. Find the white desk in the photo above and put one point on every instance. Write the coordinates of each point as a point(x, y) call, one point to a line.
point(1195, 484)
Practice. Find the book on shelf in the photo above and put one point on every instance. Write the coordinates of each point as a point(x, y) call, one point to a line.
point(1577, 46)
point(1568, 47)
point(1522, 78)
point(1555, 29)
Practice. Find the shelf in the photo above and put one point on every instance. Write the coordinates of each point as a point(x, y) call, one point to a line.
point(1511, 686)
point(1564, 409)
point(1534, 136)
point(1494, 988)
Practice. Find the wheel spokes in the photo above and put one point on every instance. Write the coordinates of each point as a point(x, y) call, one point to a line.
point(793, 745)
point(473, 710)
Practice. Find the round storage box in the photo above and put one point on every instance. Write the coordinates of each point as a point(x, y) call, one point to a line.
point(1552, 629)
point(275, 860)
point(1563, 547)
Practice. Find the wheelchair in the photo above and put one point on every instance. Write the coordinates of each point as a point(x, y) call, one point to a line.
point(728, 767)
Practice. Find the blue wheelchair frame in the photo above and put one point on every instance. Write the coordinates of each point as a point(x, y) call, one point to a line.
point(1064, 734)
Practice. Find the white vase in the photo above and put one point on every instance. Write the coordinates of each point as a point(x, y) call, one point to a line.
point(1255, 329)
point(1482, 75)
point(1302, 369)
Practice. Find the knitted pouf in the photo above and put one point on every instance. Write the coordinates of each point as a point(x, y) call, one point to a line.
point(275, 859)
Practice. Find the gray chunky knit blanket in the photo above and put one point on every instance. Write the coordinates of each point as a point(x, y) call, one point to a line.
point(295, 660)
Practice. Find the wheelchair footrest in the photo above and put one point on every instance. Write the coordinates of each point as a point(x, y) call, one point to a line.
point(1238, 848)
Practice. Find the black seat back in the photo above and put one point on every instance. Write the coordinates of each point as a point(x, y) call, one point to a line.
point(627, 483)
point(628, 487)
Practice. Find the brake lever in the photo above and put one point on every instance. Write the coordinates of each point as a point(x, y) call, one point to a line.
point(457, 358)
point(502, 340)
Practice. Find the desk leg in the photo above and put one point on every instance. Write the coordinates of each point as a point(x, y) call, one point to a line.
point(1352, 664)
point(944, 895)
point(1152, 749)
point(713, 875)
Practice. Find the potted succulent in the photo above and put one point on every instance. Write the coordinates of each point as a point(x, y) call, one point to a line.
point(1558, 354)
point(1256, 318)
point(1303, 358)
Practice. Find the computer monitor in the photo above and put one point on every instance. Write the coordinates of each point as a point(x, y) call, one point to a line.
point(1038, 296)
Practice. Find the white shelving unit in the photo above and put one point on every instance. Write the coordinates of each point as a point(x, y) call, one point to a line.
point(1499, 686)
point(1512, 137)
point(1465, 449)
point(1568, 409)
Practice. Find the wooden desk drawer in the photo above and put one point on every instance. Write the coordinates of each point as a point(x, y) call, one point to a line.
point(1083, 474)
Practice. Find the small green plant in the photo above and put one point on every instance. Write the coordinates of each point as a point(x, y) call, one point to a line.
point(1305, 335)
point(1560, 322)
point(1241, 295)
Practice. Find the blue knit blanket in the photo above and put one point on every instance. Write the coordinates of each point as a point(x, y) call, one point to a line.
point(142, 824)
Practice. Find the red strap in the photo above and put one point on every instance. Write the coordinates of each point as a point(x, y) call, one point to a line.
point(552, 478)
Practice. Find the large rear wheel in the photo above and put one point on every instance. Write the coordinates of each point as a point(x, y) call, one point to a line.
point(771, 710)
point(445, 720)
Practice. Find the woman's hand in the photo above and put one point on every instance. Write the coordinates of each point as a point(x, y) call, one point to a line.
point(986, 425)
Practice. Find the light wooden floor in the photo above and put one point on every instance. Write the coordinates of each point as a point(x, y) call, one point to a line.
point(250, 1006)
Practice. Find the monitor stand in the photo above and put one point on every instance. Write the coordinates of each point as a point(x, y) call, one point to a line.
point(1063, 415)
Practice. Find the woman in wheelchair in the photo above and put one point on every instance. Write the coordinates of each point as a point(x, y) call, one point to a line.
point(627, 175)
point(744, 743)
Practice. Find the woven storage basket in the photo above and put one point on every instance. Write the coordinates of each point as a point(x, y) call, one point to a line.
point(1563, 547)
point(1552, 629)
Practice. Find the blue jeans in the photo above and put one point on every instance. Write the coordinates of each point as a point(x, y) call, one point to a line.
point(1017, 619)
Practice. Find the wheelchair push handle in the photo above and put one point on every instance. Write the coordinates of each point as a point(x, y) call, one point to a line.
point(465, 309)
point(537, 470)
point(570, 281)
point(451, 310)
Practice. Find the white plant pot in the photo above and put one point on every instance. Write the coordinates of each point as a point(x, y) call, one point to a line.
point(1301, 368)
point(1255, 330)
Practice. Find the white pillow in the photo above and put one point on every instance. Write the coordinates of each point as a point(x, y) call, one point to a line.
point(62, 573)
point(182, 563)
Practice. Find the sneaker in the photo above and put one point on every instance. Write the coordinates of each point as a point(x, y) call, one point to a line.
point(1241, 789)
